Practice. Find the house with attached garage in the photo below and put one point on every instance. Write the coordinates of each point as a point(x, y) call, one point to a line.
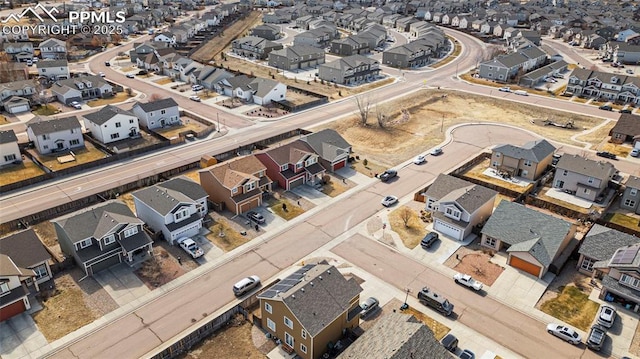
point(13, 287)
point(502, 68)
point(237, 184)
point(535, 242)
point(600, 244)
point(27, 251)
point(627, 127)
point(53, 69)
point(350, 70)
point(9, 150)
point(19, 51)
point(175, 207)
point(53, 48)
point(631, 196)
point(528, 161)
point(50, 135)
point(254, 47)
point(320, 37)
point(332, 148)
point(292, 164)
point(23, 89)
point(158, 113)
point(257, 90)
point(81, 88)
point(296, 57)
point(585, 178)
point(102, 236)
point(457, 205)
point(210, 77)
point(110, 124)
point(310, 309)
point(267, 31)
point(17, 104)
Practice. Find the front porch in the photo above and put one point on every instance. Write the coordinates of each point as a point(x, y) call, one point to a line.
point(136, 249)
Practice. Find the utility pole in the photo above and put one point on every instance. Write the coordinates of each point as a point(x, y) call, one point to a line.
point(218, 117)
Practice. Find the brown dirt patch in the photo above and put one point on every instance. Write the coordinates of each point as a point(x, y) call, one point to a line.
point(231, 230)
point(234, 341)
point(568, 276)
point(216, 45)
point(479, 267)
point(414, 230)
point(47, 233)
point(15, 173)
point(162, 268)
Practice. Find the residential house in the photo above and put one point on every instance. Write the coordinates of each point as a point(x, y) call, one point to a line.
point(81, 88)
point(24, 88)
point(102, 236)
point(17, 104)
point(619, 276)
point(457, 205)
point(237, 185)
point(585, 178)
point(53, 69)
point(608, 86)
point(13, 288)
point(19, 51)
point(141, 50)
point(351, 45)
point(502, 68)
point(350, 70)
point(534, 241)
point(210, 77)
point(627, 127)
point(254, 47)
point(110, 124)
point(310, 309)
point(600, 244)
point(529, 161)
point(27, 252)
point(267, 31)
point(631, 196)
point(404, 337)
point(332, 148)
point(537, 77)
point(55, 134)
point(166, 37)
point(292, 164)
point(9, 150)
point(257, 90)
point(296, 57)
point(158, 113)
point(53, 48)
point(403, 23)
point(175, 207)
point(626, 53)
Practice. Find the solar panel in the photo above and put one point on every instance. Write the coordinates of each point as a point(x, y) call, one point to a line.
point(287, 283)
point(625, 255)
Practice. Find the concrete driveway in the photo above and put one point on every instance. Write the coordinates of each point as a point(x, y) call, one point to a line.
point(311, 194)
point(121, 284)
point(19, 336)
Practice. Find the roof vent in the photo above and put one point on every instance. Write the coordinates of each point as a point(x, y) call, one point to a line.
point(311, 284)
point(329, 272)
point(293, 296)
point(302, 290)
point(320, 277)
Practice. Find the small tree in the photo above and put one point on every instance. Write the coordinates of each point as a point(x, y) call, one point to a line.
point(364, 107)
point(381, 115)
point(155, 97)
point(129, 91)
point(365, 162)
point(405, 215)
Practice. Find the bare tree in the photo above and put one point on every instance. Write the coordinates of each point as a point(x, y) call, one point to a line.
point(8, 71)
point(382, 115)
point(364, 107)
point(155, 97)
point(548, 87)
point(405, 216)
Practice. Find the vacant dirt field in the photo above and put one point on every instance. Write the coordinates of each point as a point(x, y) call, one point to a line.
point(428, 113)
point(234, 341)
point(474, 261)
point(163, 267)
point(216, 45)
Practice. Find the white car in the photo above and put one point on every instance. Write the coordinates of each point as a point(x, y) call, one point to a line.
point(467, 281)
point(389, 200)
point(245, 285)
point(195, 98)
point(505, 89)
point(635, 152)
point(191, 247)
point(420, 159)
point(131, 76)
point(76, 105)
point(436, 151)
point(564, 333)
point(101, 74)
point(606, 316)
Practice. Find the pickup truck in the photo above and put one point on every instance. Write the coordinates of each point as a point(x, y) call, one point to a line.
point(190, 246)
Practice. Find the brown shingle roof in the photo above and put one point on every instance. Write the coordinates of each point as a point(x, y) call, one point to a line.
point(233, 173)
point(628, 125)
point(290, 153)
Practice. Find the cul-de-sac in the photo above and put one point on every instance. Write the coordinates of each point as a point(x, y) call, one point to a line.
point(319, 179)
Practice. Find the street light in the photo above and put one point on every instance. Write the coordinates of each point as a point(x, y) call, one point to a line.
point(405, 305)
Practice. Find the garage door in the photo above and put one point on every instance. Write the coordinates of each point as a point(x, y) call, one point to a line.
point(12, 309)
point(102, 265)
point(17, 109)
point(525, 266)
point(339, 165)
point(447, 229)
point(249, 205)
point(296, 183)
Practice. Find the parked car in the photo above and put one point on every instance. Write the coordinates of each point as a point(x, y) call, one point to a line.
point(420, 159)
point(606, 154)
point(387, 175)
point(191, 247)
point(556, 158)
point(195, 98)
point(101, 74)
point(635, 152)
point(429, 240)
point(467, 354)
point(558, 76)
point(431, 299)
point(596, 337)
point(450, 342)
point(197, 87)
point(505, 89)
point(389, 200)
point(436, 151)
point(521, 92)
point(130, 76)
point(245, 285)
point(467, 281)
point(256, 217)
point(606, 107)
point(606, 316)
point(142, 72)
point(625, 110)
point(369, 306)
point(75, 104)
point(107, 63)
point(564, 333)
point(629, 71)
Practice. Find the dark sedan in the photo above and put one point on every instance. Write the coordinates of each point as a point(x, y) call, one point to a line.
point(606, 154)
point(387, 175)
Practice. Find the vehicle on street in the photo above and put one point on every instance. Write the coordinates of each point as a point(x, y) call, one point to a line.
point(245, 285)
point(558, 76)
point(197, 87)
point(606, 154)
point(387, 175)
point(564, 333)
point(596, 337)
point(29, 63)
point(420, 159)
point(191, 247)
point(467, 281)
point(369, 306)
point(195, 98)
point(521, 92)
point(107, 63)
point(436, 151)
point(505, 89)
point(389, 200)
point(606, 107)
point(142, 72)
point(101, 74)
point(130, 76)
point(467, 354)
point(75, 104)
point(431, 299)
point(429, 240)
point(256, 217)
point(625, 110)
point(635, 152)
point(606, 316)
point(629, 71)
point(450, 342)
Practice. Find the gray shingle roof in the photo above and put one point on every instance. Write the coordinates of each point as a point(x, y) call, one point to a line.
point(633, 182)
point(534, 151)
point(105, 114)
point(45, 64)
point(42, 126)
point(8, 136)
point(327, 143)
point(584, 166)
point(157, 105)
point(470, 196)
point(24, 248)
point(628, 124)
point(602, 242)
point(164, 197)
point(527, 230)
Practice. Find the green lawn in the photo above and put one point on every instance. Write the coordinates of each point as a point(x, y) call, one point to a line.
point(573, 307)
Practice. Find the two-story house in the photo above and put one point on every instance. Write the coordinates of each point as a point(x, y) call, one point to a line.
point(332, 148)
point(141, 50)
point(9, 150)
point(528, 161)
point(631, 197)
point(158, 113)
point(502, 68)
point(53, 48)
point(257, 90)
point(350, 70)
point(81, 88)
point(620, 278)
point(238, 183)
point(51, 135)
point(27, 251)
point(254, 47)
point(349, 46)
point(21, 89)
point(627, 127)
point(53, 69)
point(534, 241)
point(14, 293)
point(19, 51)
point(296, 57)
point(583, 177)
point(457, 205)
point(600, 244)
point(267, 31)
point(102, 236)
point(110, 124)
point(320, 37)
point(310, 308)
point(175, 207)
point(292, 164)
point(413, 54)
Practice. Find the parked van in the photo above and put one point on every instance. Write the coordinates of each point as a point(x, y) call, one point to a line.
point(521, 92)
point(245, 285)
point(435, 301)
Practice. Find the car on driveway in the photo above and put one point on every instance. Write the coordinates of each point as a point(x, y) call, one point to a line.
point(130, 76)
point(369, 306)
point(245, 285)
point(191, 247)
point(467, 281)
point(420, 159)
point(450, 342)
point(436, 151)
point(467, 354)
point(564, 333)
point(429, 240)
point(256, 217)
point(387, 175)
point(606, 316)
point(389, 200)
point(606, 107)
point(606, 154)
point(596, 337)
point(195, 98)
point(75, 104)
point(635, 152)
point(505, 89)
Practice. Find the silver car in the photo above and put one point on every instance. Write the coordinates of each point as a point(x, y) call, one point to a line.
point(564, 333)
point(245, 285)
point(606, 316)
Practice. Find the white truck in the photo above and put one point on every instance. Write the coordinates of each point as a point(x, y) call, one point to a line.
point(191, 247)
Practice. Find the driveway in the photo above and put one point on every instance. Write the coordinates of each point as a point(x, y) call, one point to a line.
point(19, 336)
point(311, 194)
point(121, 284)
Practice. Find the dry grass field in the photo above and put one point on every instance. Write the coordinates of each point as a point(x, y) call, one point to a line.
point(216, 45)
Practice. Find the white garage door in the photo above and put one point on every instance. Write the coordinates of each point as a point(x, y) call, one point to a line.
point(17, 109)
point(447, 229)
point(637, 145)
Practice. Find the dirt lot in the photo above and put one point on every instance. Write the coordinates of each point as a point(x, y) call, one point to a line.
point(414, 230)
point(232, 230)
point(474, 261)
point(432, 111)
point(84, 155)
point(216, 45)
point(477, 173)
point(15, 173)
point(164, 266)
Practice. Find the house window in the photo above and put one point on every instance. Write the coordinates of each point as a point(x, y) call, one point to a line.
point(527, 163)
point(109, 239)
point(524, 173)
point(115, 135)
point(182, 214)
point(74, 142)
point(630, 281)
point(303, 348)
point(633, 192)
point(495, 164)
point(73, 130)
point(250, 186)
point(498, 155)
point(118, 124)
point(587, 264)
point(298, 165)
point(629, 203)
point(311, 161)
point(40, 271)
point(130, 120)
point(284, 167)
point(288, 339)
point(46, 137)
point(4, 288)
point(585, 191)
point(303, 333)
point(162, 112)
point(234, 190)
point(130, 231)
point(591, 180)
point(84, 244)
point(565, 172)
point(491, 242)
point(268, 308)
point(271, 325)
point(10, 157)
point(288, 322)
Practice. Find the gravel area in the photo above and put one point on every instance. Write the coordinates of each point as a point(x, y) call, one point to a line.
point(260, 340)
point(95, 297)
point(475, 261)
point(237, 223)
